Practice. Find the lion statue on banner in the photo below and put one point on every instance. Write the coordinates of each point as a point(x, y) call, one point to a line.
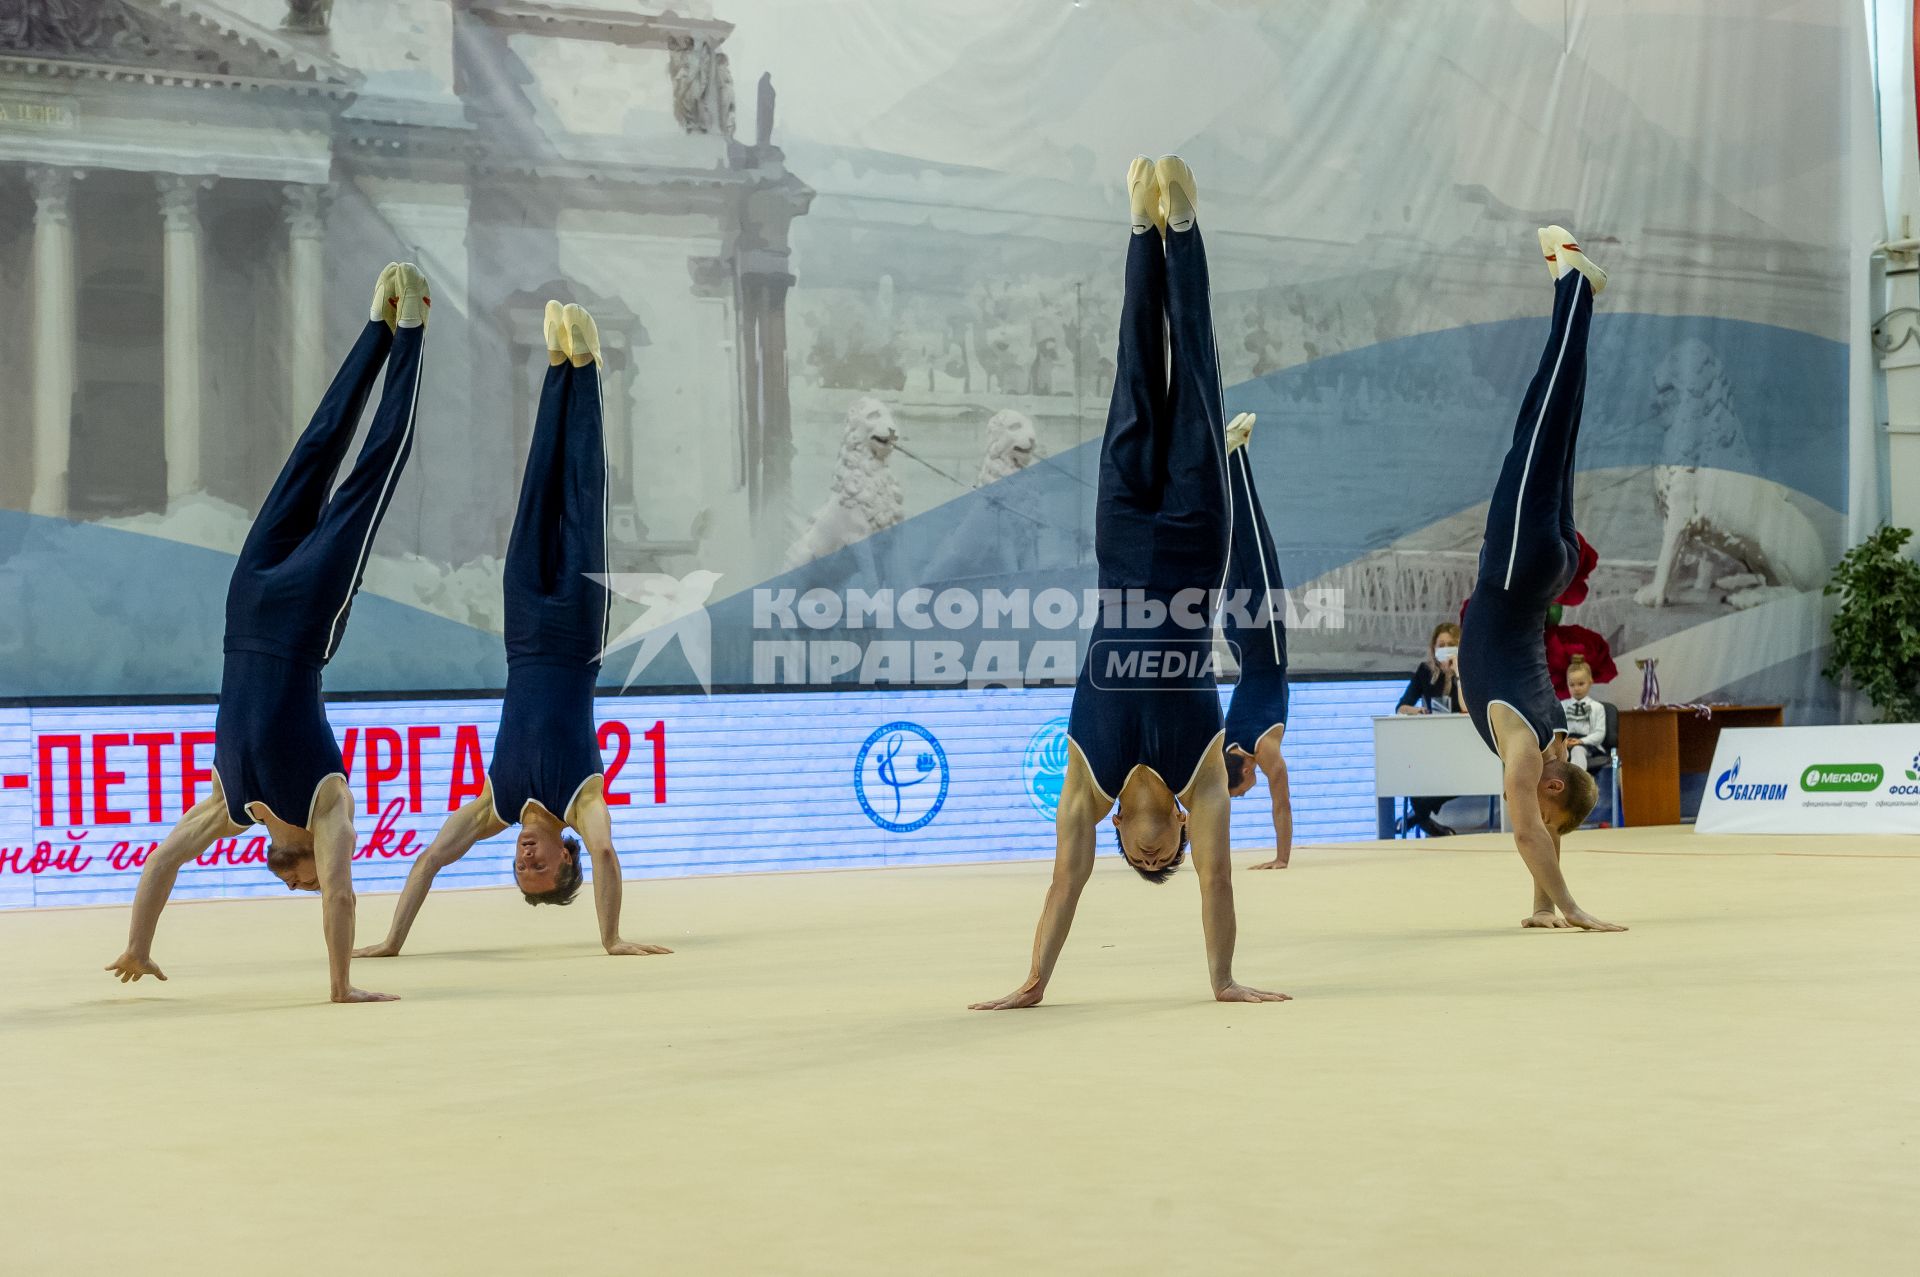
point(865, 497)
point(1012, 445)
point(1710, 499)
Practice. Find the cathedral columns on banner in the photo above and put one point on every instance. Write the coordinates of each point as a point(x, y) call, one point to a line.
point(53, 335)
point(305, 214)
point(429, 215)
point(764, 281)
point(764, 273)
point(182, 256)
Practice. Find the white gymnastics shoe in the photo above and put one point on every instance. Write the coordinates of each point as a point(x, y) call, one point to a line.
point(1178, 191)
point(1548, 248)
point(1239, 430)
point(1567, 254)
point(1143, 196)
point(413, 302)
point(583, 335)
point(554, 326)
point(386, 293)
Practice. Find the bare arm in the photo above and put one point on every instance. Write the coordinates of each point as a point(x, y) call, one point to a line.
point(471, 824)
point(1521, 761)
point(1208, 830)
point(590, 816)
point(205, 823)
point(1074, 824)
point(1542, 902)
point(1274, 765)
point(333, 840)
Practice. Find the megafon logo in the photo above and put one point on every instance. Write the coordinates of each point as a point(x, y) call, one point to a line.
point(1842, 778)
point(1728, 788)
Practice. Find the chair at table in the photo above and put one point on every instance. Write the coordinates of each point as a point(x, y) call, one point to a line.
point(1610, 744)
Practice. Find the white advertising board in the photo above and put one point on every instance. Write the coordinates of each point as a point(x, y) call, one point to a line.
point(1814, 780)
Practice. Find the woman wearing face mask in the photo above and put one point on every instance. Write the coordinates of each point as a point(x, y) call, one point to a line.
point(1434, 689)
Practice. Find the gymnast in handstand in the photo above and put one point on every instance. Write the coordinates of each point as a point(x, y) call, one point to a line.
point(546, 773)
point(1526, 560)
point(1144, 733)
point(275, 760)
point(1255, 624)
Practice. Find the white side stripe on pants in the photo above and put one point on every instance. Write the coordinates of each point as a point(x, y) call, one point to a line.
point(1266, 582)
point(1519, 497)
point(606, 509)
point(373, 524)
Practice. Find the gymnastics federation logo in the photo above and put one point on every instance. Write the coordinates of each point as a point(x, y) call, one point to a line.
point(1046, 767)
point(901, 777)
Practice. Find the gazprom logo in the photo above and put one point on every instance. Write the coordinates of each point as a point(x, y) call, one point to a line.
point(1728, 788)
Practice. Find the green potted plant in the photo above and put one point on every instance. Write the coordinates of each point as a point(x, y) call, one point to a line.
point(1876, 631)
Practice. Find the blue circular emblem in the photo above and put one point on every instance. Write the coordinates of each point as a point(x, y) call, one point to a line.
point(1046, 767)
point(901, 777)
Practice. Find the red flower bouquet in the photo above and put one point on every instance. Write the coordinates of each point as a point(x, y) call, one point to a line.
point(1576, 592)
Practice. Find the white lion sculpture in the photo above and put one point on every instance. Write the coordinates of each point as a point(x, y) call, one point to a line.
point(1012, 446)
point(1709, 497)
point(865, 497)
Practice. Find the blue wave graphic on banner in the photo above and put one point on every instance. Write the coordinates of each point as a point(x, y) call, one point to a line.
point(1353, 451)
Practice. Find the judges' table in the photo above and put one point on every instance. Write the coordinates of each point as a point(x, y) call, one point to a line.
point(1430, 756)
point(1658, 745)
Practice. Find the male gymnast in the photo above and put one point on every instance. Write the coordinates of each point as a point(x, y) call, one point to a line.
point(546, 772)
point(1142, 742)
point(275, 761)
point(1528, 557)
point(1255, 624)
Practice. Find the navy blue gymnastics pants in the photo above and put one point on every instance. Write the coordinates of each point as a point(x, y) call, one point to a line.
point(555, 611)
point(1530, 549)
point(303, 559)
point(1160, 521)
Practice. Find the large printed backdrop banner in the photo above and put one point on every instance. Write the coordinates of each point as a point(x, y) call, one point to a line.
point(800, 222)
